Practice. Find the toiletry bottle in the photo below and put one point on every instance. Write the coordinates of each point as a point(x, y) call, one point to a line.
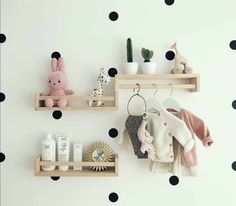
point(63, 150)
point(77, 154)
point(48, 151)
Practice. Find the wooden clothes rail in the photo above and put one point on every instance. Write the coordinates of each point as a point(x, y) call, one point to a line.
point(192, 81)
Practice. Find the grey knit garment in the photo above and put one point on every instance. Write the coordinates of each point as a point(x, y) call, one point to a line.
point(132, 124)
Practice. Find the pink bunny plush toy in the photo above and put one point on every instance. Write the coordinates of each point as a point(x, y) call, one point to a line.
point(57, 81)
point(146, 139)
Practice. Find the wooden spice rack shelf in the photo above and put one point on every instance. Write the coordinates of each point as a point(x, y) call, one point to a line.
point(40, 103)
point(126, 81)
point(112, 168)
point(192, 81)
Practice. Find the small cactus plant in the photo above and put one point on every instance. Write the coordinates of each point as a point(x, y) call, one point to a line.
point(129, 48)
point(147, 54)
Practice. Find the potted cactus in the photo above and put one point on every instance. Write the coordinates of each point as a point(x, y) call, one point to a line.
point(148, 66)
point(130, 67)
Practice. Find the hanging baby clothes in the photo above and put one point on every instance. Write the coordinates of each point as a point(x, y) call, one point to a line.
point(185, 164)
point(132, 125)
point(197, 128)
point(164, 126)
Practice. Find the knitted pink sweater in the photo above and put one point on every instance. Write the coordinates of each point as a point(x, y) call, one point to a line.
point(197, 127)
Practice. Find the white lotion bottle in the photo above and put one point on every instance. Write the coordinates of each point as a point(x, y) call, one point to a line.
point(77, 154)
point(48, 152)
point(63, 150)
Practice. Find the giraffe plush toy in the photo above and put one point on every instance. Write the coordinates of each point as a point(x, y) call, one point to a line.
point(181, 63)
point(103, 78)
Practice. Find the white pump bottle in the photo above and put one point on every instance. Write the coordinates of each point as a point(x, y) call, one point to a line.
point(48, 152)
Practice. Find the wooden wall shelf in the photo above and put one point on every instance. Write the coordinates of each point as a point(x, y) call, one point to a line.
point(40, 103)
point(192, 81)
point(112, 168)
point(126, 81)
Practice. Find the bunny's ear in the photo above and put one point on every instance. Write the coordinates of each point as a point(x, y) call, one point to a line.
point(54, 64)
point(61, 65)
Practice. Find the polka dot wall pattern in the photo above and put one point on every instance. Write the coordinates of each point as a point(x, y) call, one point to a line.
point(234, 166)
point(56, 55)
point(234, 104)
point(2, 98)
point(57, 114)
point(113, 197)
point(169, 2)
point(2, 95)
point(2, 38)
point(113, 16)
point(174, 180)
point(113, 132)
point(232, 45)
point(2, 157)
point(54, 178)
point(112, 72)
point(170, 55)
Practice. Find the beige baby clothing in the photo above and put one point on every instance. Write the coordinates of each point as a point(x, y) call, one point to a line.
point(185, 164)
point(164, 127)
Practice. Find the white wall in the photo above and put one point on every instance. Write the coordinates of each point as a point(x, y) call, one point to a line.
point(88, 40)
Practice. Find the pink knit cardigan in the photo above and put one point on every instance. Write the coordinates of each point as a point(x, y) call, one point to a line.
point(197, 127)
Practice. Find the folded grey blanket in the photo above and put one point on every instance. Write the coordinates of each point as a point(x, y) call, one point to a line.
point(132, 124)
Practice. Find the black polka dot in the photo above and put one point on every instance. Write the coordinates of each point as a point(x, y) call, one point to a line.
point(55, 178)
point(2, 38)
point(113, 16)
point(233, 44)
point(2, 97)
point(170, 55)
point(234, 104)
point(2, 157)
point(113, 197)
point(174, 180)
point(234, 166)
point(169, 2)
point(56, 55)
point(57, 114)
point(112, 72)
point(113, 132)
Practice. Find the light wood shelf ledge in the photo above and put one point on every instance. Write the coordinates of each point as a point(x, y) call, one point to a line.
point(192, 81)
point(112, 168)
point(40, 103)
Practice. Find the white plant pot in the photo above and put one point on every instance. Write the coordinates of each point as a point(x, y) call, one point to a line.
point(131, 68)
point(149, 67)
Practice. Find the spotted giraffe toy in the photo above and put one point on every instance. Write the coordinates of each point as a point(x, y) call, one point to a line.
point(103, 78)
